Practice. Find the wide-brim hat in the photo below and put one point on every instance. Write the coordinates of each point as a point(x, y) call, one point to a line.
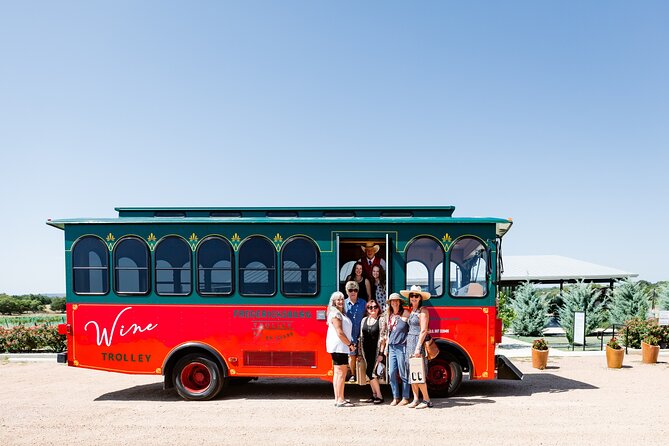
point(370, 245)
point(395, 296)
point(415, 289)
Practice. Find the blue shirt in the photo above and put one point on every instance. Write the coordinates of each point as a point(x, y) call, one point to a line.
point(355, 312)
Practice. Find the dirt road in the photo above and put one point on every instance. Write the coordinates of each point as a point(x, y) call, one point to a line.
point(577, 400)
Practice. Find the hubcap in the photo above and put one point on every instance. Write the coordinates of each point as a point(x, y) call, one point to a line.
point(195, 377)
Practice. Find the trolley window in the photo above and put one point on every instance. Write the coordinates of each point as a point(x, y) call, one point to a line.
point(173, 271)
point(257, 267)
point(299, 267)
point(90, 266)
point(214, 267)
point(131, 266)
point(468, 268)
point(424, 265)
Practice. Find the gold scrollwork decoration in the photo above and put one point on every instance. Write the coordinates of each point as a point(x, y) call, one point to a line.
point(278, 241)
point(446, 241)
point(151, 240)
point(235, 240)
point(193, 241)
point(110, 240)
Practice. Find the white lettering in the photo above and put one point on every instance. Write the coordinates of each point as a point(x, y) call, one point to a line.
point(102, 335)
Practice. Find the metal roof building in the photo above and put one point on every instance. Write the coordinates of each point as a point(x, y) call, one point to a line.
point(551, 269)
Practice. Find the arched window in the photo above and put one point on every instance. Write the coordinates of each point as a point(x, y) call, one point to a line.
point(257, 267)
point(90, 266)
point(468, 268)
point(131, 266)
point(299, 267)
point(173, 273)
point(214, 267)
point(424, 265)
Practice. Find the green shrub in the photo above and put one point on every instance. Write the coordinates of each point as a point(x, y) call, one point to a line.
point(48, 338)
point(22, 339)
point(530, 309)
point(19, 339)
point(628, 300)
point(637, 329)
point(580, 297)
point(504, 311)
point(58, 304)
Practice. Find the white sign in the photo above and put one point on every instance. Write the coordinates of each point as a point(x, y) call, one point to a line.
point(579, 328)
point(664, 318)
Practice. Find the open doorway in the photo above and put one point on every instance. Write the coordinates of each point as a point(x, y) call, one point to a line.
point(367, 258)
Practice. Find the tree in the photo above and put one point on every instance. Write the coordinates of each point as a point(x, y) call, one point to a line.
point(663, 296)
point(628, 300)
point(580, 297)
point(531, 311)
point(58, 304)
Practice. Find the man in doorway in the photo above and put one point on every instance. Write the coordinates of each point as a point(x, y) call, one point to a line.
point(370, 260)
point(355, 310)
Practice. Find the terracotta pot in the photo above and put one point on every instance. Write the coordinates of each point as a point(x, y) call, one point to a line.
point(539, 358)
point(614, 358)
point(649, 353)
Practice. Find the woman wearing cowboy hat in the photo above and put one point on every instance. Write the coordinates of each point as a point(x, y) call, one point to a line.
point(398, 372)
point(419, 318)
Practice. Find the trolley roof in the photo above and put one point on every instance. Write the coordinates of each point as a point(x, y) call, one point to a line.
point(198, 215)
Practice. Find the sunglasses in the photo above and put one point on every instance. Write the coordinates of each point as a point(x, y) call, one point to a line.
point(352, 290)
point(414, 295)
point(372, 307)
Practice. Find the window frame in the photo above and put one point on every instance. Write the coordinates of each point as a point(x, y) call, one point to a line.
point(148, 267)
point(318, 267)
point(443, 262)
point(73, 268)
point(232, 266)
point(240, 270)
point(156, 269)
point(486, 249)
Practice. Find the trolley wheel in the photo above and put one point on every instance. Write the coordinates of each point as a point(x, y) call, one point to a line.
point(197, 377)
point(444, 376)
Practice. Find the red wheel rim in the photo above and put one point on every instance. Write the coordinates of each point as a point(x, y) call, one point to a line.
point(439, 374)
point(195, 377)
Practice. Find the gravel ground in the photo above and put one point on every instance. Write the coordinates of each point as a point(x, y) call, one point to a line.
point(577, 400)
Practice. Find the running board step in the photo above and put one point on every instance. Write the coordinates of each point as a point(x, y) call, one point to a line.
point(506, 369)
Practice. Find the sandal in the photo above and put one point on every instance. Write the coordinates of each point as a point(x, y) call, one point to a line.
point(344, 404)
point(424, 405)
point(413, 404)
point(378, 400)
point(404, 402)
point(394, 402)
point(352, 379)
point(368, 400)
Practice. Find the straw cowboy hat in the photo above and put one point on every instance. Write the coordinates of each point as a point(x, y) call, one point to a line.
point(370, 245)
point(415, 289)
point(395, 296)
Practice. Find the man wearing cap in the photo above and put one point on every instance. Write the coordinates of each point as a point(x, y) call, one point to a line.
point(355, 310)
point(370, 259)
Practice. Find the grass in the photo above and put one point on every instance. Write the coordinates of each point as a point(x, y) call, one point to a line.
point(33, 319)
point(592, 343)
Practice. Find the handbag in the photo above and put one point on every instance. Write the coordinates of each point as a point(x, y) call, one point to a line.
point(431, 348)
point(361, 371)
point(416, 370)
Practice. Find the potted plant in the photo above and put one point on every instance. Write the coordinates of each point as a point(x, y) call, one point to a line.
point(614, 354)
point(650, 348)
point(539, 354)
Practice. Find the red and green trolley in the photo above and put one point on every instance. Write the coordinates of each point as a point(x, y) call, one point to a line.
point(203, 296)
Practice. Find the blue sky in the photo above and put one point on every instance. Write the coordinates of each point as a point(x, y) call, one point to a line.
point(553, 113)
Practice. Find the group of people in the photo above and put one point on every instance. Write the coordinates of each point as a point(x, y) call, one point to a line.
point(385, 337)
point(370, 274)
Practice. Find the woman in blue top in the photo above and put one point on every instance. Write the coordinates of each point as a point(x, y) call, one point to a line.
point(398, 373)
point(419, 319)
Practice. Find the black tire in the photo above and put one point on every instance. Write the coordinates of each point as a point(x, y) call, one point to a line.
point(197, 377)
point(444, 376)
